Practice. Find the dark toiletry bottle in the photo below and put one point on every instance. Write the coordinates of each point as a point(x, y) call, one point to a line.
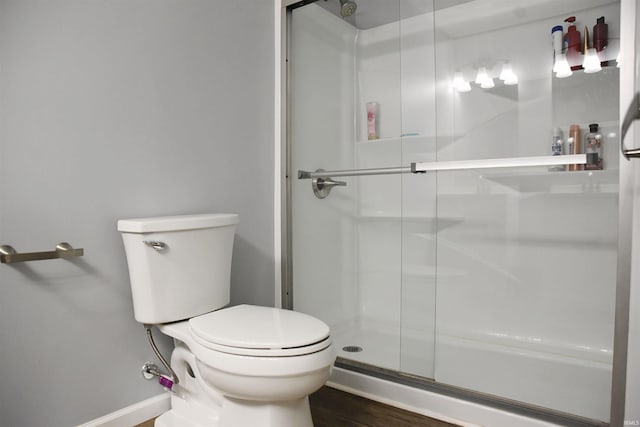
point(572, 44)
point(600, 34)
point(593, 148)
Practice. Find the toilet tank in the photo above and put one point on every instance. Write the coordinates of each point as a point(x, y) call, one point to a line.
point(179, 266)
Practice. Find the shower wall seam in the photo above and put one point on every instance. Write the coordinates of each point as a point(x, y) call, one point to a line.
point(402, 188)
point(437, 217)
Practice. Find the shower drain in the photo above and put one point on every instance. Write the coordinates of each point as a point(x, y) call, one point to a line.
point(352, 349)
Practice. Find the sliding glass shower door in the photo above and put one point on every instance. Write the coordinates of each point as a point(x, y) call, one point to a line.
point(347, 247)
point(529, 313)
point(432, 222)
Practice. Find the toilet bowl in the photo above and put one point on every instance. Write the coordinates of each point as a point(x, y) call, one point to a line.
point(237, 366)
point(256, 364)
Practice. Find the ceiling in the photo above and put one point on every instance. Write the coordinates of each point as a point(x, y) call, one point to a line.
point(458, 18)
point(372, 13)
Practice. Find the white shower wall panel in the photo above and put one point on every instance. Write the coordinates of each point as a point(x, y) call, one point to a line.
point(378, 77)
point(396, 69)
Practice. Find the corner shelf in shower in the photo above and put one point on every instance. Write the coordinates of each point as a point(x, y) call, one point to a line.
point(435, 224)
point(396, 139)
point(422, 271)
point(409, 141)
point(562, 182)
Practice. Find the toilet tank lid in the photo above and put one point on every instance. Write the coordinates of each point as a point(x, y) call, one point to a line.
point(175, 223)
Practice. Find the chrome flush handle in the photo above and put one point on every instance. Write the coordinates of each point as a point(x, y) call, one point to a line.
point(158, 246)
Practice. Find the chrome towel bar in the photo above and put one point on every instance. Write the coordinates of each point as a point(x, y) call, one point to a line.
point(421, 167)
point(322, 180)
point(8, 255)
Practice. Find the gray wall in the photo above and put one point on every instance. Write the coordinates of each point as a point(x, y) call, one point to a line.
point(115, 109)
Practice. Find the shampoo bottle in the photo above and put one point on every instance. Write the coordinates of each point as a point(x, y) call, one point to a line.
point(593, 148)
point(557, 42)
point(373, 125)
point(574, 145)
point(572, 44)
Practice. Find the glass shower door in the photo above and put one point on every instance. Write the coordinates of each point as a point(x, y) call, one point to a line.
point(348, 111)
point(485, 275)
point(528, 313)
point(323, 255)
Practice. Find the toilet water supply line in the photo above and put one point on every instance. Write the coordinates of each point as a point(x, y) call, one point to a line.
point(150, 368)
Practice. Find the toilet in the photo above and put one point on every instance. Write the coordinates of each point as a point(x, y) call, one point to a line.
point(237, 366)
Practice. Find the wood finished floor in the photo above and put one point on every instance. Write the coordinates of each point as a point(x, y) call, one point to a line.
point(335, 408)
point(148, 423)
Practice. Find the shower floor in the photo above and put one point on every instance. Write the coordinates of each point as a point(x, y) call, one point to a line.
point(382, 345)
point(379, 346)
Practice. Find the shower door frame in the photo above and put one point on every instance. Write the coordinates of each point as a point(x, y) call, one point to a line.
point(285, 175)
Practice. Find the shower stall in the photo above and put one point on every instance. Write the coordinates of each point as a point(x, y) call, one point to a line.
point(428, 221)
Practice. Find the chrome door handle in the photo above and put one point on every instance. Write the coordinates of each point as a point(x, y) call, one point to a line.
point(633, 114)
point(322, 185)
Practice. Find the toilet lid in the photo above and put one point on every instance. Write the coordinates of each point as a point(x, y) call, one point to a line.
point(254, 330)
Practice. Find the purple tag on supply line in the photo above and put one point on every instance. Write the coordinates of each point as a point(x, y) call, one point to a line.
point(166, 382)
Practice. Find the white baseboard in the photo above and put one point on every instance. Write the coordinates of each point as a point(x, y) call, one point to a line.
point(134, 414)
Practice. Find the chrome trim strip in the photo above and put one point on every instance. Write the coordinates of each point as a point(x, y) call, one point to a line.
point(628, 75)
point(486, 399)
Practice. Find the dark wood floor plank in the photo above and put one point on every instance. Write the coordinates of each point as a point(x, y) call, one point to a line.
point(148, 423)
point(335, 408)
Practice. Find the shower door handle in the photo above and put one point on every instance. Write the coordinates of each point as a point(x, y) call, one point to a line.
point(633, 114)
point(322, 186)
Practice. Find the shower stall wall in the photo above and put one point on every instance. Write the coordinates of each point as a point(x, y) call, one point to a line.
point(497, 282)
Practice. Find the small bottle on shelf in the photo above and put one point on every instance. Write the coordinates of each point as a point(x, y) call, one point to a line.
point(574, 145)
point(593, 148)
point(373, 124)
point(557, 149)
point(557, 42)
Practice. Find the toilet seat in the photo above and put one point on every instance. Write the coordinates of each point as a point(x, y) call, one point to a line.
point(249, 330)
